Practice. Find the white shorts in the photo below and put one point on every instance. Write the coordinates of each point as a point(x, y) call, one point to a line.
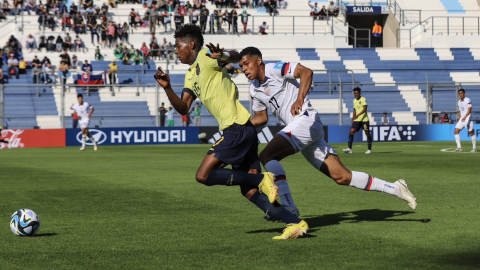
point(84, 123)
point(465, 124)
point(305, 134)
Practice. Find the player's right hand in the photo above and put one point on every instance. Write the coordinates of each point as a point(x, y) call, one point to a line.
point(215, 52)
point(162, 78)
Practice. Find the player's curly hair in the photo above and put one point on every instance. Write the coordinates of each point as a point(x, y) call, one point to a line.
point(191, 32)
point(251, 51)
point(357, 89)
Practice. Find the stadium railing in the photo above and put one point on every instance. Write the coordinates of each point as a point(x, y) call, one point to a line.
point(331, 99)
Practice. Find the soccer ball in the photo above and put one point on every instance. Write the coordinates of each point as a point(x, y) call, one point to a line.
point(24, 222)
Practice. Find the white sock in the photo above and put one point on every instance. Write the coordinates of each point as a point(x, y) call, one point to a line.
point(474, 141)
point(457, 139)
point(91, 139)
point(284, 193)
point(84, 140)
point(366, 182)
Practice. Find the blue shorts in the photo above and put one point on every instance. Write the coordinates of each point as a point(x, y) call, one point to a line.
point(361, 125)
point(238, 147)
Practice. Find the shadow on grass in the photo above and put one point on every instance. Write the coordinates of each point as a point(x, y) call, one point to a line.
point(316, 222)
point(45, 234)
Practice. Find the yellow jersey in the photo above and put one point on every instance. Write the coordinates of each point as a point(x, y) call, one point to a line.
point(358, 107)
point(210, 83)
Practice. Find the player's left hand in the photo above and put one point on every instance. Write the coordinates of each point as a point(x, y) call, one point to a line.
point(297, 107)
point(215, 52)
point(463, 119)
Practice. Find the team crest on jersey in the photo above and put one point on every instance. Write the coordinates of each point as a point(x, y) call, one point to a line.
point(197, 69)
point(266, 90)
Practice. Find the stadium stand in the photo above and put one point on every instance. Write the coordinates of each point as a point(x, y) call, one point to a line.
point(393, 80)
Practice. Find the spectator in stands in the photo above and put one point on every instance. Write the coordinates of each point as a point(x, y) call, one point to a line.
point(112, 72)
point(36, 73)
point(263, 28)
point(59, 44)
point(245, 21)
point(177, 18)
point(104, 9)
point(1, 77)
point(36, 62)
point(22, 66)
point(194, 15)
point(79, 44)
point(103, 34)
point(446, 119)
point(118, 52)
point(31, 44)
point(270, 5)
point(48, 74)
point(112, 3)
point(234, 19)
point(198, 114)
point(92, 23)
point(79, 24)
point(30, 5)
point(66, 58)
point(66, 22)
point(133, 18)
point(98, 54)
point(6, 51)
point(333, 9)
point(385, 119)
point(13, 66)
point(153, 39)
point(63, 72)
point(170, 121)
point(88, 3)
point(226, 18)
point(162, 111)
point(67, 43)
point(155, 51)
point(314, 9)
point(119, 33)
point(145, 51)
point(110, 34)
point(86, 67)
point(45, 62)
point(137, 58)
point(76, 64)
point(244, 3)
point(204, 13)
point(213, 19)
point(125, 30)
point(377, 34)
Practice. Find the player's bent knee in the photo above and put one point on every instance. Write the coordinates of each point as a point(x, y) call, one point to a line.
point(201, 178)
point(264, 157)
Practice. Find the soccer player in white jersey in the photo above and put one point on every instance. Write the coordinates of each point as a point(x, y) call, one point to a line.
point(464, 113)
point(84, 112)
point(274, 87)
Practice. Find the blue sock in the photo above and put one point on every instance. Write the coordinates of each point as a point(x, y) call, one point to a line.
point(279, 212)
point(350, 141)
point(369, 140)
point(229, 177)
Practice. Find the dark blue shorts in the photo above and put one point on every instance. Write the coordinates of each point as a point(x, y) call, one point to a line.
point(361, 125)
point(238, 147)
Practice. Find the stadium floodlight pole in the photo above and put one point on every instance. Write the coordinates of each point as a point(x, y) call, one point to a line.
point(22, 17)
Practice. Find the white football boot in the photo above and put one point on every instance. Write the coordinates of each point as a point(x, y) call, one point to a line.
point(368, 152)
point(407, 195)
point(347, 151)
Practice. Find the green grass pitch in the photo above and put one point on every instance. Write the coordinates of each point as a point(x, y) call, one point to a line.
point(139, 207)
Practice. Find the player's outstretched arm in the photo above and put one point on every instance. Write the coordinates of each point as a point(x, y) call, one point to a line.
point(225, 56)
point(306, 76)
point(181, 105)
point(260, 119)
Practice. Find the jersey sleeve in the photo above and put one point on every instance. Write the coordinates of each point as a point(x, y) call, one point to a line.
point(89, 106)
point(469, 102)
point(187, 87)
point(257, 105)
point(284, 70)
point(364, 101)
point(214, 64)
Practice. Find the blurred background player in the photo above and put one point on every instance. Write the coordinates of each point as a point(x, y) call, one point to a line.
point(84, 112)
point(464, 113)
point(359, 121)
point(208, 80)
point(274, 87)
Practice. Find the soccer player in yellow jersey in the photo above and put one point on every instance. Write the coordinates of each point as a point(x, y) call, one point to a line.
point(359, 121)
point(208, 80)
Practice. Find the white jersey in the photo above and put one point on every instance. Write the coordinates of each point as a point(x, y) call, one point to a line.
point(464, 105)
point(82, 110)
point(278, 92)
